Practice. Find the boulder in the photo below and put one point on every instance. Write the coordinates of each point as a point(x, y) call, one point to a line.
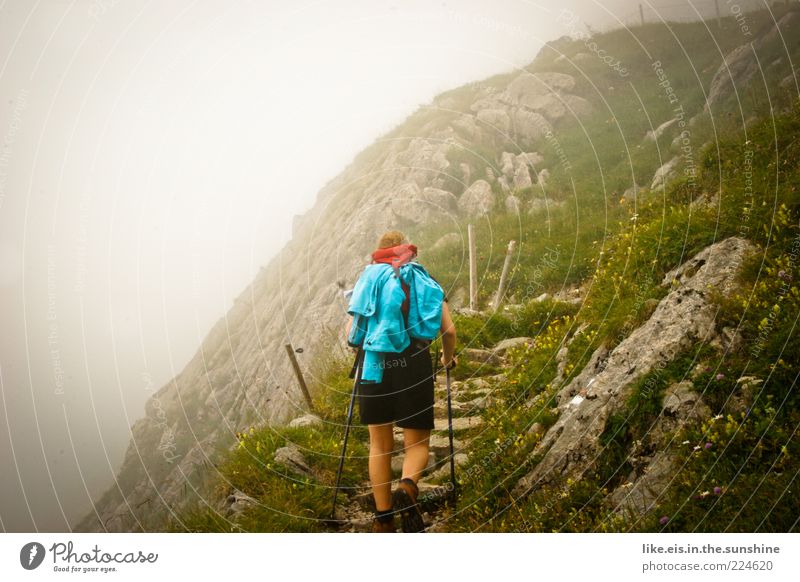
point(481, 356)
point(477, 200)
point(306, 420)
point(522, 177)
point(655, 134)
point(450, 239)
point(543, 177)
point(236, 502)
point(443, 472)
point(292, 458)
point(549, 105)
point(507, 164)
point(636, 498)
point(685, 317)
point(459, 423)
point(502, 347)
point(737, 69)
point(420, 207)
point(533, 159)
point(530, 125)
point(654, 470)
point(466, 126)
point(531, 85)
point(504, 184)
point(665, 173)
point(496, 119)
point(512, 205)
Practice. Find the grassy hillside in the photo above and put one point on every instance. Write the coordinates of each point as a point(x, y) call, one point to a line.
point(738, 470)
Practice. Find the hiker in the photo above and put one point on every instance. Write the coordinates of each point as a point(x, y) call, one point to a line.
point(398, 309)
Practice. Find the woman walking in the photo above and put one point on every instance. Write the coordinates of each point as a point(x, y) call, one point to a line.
point(398, 309)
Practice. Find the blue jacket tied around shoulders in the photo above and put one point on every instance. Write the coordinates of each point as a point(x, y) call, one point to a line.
point(378, 322)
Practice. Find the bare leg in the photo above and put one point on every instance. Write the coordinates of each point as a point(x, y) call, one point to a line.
point(415, 442)
point(381, 444)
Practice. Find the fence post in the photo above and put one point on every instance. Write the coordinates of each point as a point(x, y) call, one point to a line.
point(473, 269)
point(299, 374)
point(501, 290)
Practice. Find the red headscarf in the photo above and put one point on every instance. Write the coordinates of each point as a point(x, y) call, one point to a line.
point(397, 256)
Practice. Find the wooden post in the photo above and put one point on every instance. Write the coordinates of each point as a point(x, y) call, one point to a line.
point(641, 14)
point(473, 269)
point(501, 290)
point(299, 374)
point(716, 7)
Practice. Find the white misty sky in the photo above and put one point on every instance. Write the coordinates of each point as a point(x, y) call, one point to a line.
point(153, 155)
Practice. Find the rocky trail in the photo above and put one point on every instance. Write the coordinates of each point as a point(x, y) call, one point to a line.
point(684, 318)
point(468, 399)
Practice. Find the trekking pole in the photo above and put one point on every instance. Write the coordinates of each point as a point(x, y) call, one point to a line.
point(356, 372)
point(450, 434)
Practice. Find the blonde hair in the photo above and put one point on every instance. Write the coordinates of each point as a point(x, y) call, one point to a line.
point(392, 239)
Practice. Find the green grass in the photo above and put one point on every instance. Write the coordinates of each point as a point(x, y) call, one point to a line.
point(618, 252)
point(286, 502)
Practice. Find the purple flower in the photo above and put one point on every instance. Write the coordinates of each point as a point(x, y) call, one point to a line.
point(720, 376)
point(709, 445)
point(708, 368)
point(664, 520)
point(717, 490)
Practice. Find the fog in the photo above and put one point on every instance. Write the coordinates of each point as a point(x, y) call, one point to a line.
point(152, 156)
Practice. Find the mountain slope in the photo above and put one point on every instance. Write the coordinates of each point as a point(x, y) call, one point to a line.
point(562, 157)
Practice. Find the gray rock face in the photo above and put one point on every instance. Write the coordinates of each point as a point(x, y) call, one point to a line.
point(237, 502)
point(548, 105)
point(530, 124)
point(664, 174)
point(496, 119)
point(467, 126)
point(741, 65)
point(477, 200)
point(655, 134)
point(428, 205)
point(683, 318)
point(543, 177)
point(481, 356)
point(292, 458)
point(305, 421)
point(522, 177)
point(528, 86)
point(512, 204)
point(737, 70)
point(654, 466)
point(240, 376)
point(502, 347)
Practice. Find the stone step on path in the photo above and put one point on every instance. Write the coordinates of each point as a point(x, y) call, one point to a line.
point(468, 398)
point(459, 423)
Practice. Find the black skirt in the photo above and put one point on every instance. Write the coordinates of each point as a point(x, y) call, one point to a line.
point(405, 394)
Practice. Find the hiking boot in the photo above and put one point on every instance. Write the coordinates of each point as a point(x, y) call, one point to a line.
point(383, 527)
point(404, 500)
